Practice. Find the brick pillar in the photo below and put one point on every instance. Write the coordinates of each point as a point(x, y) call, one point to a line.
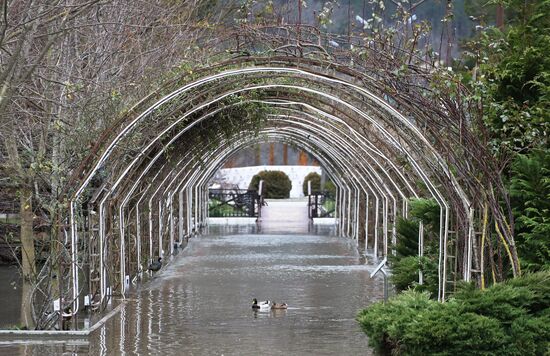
point(258, 157)
point(302, 158)
point(271, 154)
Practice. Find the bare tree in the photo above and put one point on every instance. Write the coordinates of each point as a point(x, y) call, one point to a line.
point(68, 69)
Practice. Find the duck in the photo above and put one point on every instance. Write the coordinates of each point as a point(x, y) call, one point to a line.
point(279, 306)
point(261, 306)
point(155, 266)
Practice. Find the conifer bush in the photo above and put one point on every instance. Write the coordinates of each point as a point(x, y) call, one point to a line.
point(510, 318)
point(406, 263)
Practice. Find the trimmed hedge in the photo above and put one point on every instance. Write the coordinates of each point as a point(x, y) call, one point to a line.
point(276, 185)
point(510, 318)
point(315, 179)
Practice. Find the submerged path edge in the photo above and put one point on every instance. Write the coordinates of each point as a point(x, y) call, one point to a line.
point(85, 332)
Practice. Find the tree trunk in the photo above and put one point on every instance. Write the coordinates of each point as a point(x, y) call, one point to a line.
point(26, 310)
point(500, 16)
point(28, 260)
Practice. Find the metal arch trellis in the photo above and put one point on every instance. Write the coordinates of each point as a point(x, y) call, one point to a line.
point(445, 206)
point(394, 200)
point(117, 182)
point(293, 132)
point(277, 39)
point(120, 179)
point(121, 227)
point(174, 178)
point(442, 173)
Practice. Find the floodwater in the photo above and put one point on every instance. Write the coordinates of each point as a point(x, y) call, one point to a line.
point(10, 294)
point(200, 304)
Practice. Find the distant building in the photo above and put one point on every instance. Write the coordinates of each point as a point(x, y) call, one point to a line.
point(271, 154)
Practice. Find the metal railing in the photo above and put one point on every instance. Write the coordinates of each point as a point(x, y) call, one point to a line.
point(321, 205)
point(233, 203)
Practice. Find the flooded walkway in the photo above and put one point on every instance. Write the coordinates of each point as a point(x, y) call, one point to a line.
point(201, 303)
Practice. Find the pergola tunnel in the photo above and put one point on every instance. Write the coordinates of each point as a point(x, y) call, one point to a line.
point(144, 191)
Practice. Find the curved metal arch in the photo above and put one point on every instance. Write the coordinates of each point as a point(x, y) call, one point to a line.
point(371, 168)
point(390, 193)
point(117, 182)
point(386, 134)
point(367, 93)
point(106, 153)
point(216, 154)
point(293, 132)
point(384, 171)
point(341, 185)
point(173, 179)
point(367, 148)
point(376, 181)
point(393, 198)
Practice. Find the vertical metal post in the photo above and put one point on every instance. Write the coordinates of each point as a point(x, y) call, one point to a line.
point(189, 210)
point(150, 206)
point(138, 238)
point(385, 224)
point(349, 222)
point(103, 285)
point(420, 250)
point(358, 215)
point(171, 217)
point(376, 228)
point(367, 222)
point(180, 216)
point(394, 227)
point(380, 268)
point(122, 251)
point(160, 222)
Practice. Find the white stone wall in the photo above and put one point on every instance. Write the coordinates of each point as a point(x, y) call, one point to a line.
point(241, 176)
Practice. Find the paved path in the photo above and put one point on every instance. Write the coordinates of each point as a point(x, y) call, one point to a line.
point(285, 216)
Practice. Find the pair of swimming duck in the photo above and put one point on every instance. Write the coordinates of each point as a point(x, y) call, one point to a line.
point(267, 305)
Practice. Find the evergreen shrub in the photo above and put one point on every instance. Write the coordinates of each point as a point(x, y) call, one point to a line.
point(315, 179)
point(510, 318)
point(276, 185)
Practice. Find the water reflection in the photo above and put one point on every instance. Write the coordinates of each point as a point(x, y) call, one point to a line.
point(201, 303)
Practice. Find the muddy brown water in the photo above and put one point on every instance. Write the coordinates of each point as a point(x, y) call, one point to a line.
point(200, 304)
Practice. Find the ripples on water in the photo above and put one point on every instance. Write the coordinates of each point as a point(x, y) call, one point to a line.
point(200, 304)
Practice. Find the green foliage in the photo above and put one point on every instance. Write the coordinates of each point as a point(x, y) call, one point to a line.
point(513, 79)
point(407, 236)
point(530, 194)
point(217, 209)
point(427, 211)
point(406, 263)
point(276, 185)
point(315, 179)
point(511, 318)
point(405, 274)
point(330, 188)
point(384, 323)
point(329, 205)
